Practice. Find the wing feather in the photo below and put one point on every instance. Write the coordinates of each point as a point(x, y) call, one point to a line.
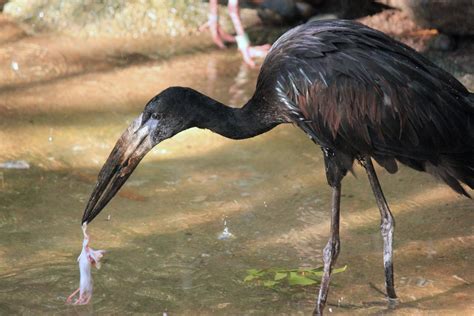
point(360, 92)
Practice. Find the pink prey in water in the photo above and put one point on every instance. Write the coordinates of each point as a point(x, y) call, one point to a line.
point(88, 257)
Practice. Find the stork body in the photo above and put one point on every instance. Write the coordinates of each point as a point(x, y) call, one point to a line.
point(357, 93)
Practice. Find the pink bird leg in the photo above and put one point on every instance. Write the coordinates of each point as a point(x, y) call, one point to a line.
point(88, 257)
point(248, 52)
point(219, 36)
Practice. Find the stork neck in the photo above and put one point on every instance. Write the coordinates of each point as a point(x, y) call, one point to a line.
point(236, 123)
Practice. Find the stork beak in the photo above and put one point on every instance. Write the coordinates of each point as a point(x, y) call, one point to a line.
point(129, 150)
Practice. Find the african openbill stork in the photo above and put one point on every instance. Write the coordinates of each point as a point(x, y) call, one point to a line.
point(357, 93)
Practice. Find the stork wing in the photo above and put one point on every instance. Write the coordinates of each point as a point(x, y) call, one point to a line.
point(356, 90)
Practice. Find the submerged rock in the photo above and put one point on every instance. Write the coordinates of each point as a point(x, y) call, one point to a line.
point(15, 164)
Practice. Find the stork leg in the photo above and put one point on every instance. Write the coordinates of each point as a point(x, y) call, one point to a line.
point(331, 251)
point(387, 224)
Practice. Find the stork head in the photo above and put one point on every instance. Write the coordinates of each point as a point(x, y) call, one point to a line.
point(164, 116)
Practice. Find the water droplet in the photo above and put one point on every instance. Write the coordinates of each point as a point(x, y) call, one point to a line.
point(15, 66)
point(152, 15)
point(50, 137)
point(226, 234)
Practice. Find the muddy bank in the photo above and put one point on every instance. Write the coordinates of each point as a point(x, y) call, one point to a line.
point(59, 55)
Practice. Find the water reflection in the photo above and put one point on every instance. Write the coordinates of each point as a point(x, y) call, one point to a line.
point(239, 91)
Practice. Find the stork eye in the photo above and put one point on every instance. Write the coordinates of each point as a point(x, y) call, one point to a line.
point(154, 116)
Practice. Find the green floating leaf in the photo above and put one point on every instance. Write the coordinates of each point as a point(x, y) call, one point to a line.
point(339, 270)
point(255, 272)
point(296, 279)
point(269, 283)
point(280, 275)
point(249, 278)
point(277, 277)
point(313, 272)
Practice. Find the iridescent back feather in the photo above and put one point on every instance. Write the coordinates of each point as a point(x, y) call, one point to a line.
point(358, 92)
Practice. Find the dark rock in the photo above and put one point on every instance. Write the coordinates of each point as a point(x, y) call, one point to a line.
point(346, 9)
point(281, 12)
point(443, 43)
point(448, 16)
point(2, 3)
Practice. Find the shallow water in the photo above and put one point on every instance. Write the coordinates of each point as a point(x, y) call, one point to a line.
point(62, 112)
